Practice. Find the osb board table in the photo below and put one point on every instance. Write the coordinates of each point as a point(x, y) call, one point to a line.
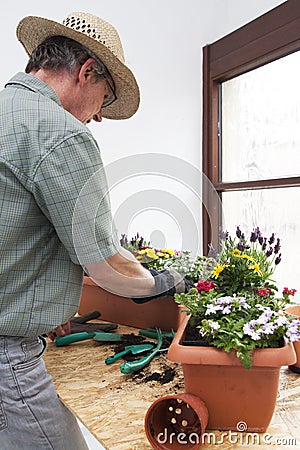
point(113, 405)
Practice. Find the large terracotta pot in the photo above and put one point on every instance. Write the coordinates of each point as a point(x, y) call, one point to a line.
point(161, 313)
point(295, 311)
point(236, 398)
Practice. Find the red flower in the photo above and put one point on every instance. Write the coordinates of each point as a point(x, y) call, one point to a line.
point(262, 291)
point(289, 291)
point(265, 291)
point(205, 285)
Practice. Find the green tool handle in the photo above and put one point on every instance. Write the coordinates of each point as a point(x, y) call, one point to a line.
point(114, 358)
point(133, 366)
point(152, 333)
point(60, 341)
point(148, 333)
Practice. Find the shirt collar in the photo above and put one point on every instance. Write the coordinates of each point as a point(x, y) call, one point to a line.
point(30, 82)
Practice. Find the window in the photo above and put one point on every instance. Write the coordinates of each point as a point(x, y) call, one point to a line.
point(251, 132)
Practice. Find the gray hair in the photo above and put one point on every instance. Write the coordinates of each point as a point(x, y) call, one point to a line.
point(59, 52)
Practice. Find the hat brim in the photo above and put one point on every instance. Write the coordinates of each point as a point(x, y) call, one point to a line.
point(32, 31)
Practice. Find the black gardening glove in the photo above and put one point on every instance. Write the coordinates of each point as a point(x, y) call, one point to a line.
point(167, 282)
point(80, 323)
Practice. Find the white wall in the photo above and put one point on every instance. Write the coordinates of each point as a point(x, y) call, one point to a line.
point(163, 42)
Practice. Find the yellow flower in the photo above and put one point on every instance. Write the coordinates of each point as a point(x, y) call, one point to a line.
point(243, 256)
point(142, 252)
point(256, 269)
point(247, 257)
point(170, 252)
point(162, 255)
point(236, 252)
point(217, 270)
point(151, 254)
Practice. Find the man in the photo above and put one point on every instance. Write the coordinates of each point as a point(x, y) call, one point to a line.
point(50, 230)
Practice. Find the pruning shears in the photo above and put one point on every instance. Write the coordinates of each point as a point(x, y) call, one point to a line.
point(133, 366)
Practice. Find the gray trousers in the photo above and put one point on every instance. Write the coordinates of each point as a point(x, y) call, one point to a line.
point(32, 417)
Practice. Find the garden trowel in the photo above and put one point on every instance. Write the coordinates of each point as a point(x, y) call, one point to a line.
point(134, 349)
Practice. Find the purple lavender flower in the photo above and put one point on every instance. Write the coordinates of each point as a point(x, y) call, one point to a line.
point(253, 236)
point(272, 239)
point(278, 259)
point(269, 252)
point(141, 242)
point(241, 246)
point(238, 232)
point(264, 244)
point(260, 239)
point(257, 231)
point(277, 246)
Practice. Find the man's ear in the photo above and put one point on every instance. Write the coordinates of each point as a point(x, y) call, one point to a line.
point(86, 71)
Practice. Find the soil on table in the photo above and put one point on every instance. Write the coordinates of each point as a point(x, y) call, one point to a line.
point(164, 374)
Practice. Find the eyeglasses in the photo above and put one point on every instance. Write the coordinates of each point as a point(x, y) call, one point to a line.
point(111, 95)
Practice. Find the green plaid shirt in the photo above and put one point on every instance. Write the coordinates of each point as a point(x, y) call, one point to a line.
point(47, 158)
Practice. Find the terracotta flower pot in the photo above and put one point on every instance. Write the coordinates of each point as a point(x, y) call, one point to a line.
point(161, 313)
point(236, 398)
point(295, 311)
point(176, 422)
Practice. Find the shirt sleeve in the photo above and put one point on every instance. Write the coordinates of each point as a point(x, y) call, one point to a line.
point(70, 187)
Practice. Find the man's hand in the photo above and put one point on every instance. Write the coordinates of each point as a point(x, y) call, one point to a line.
point(167, 282)
point(61, 330)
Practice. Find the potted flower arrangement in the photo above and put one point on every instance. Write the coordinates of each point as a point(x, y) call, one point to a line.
point(165, 258)
point(247, 333)
point(162, 312)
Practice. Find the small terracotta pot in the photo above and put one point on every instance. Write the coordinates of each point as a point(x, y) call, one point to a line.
point(161, 312)
point(176, 422)
point(236, 398)
point(295, 311)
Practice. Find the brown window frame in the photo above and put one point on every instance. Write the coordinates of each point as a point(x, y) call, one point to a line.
point(265, 39)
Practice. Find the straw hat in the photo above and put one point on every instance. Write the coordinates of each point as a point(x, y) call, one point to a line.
point(102, 39)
